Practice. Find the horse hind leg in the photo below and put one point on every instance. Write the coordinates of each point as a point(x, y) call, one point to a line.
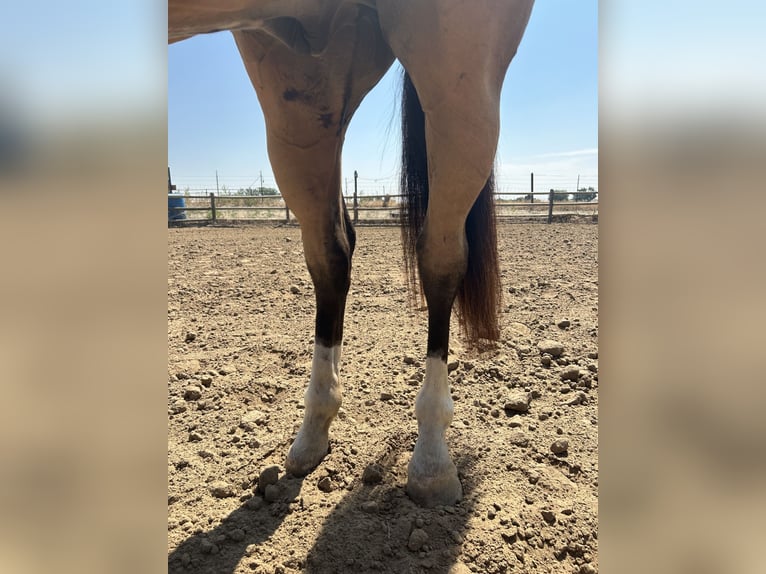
point(458, 78)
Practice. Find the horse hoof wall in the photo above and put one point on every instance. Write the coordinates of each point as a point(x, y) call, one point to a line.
point(430, 491)
point(300, 461)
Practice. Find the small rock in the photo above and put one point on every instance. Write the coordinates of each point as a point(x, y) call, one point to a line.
point(373, 474)
point(593, 355)
point(563, 324)
point(549, 516)
point(570, 373)
point(452, 365)
point(268, 476)
point(192, 393)
point(190, 337)
point(518, 438)
point(294, 289)
point(417, 539)
point(325, 484)
point(587, 569)
point(553, 348)
point(179, 406)
point(370, 506)
point(271, 493)
point(252, 418)
point(194, 436)
point(386, 396)
point(221, 489)
point(546, 361)
point(491, 513)
point(517, 402)
point(560, 446)
point(408, 360)
point(254, 503)
point(578, 399)
point(206, 380)
point(208, 547)
point(205, 454)
point(238, 535)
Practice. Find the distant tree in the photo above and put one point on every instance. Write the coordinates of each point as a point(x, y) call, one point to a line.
point(585, 194)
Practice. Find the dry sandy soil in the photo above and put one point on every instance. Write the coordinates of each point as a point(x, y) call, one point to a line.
point(240, 326)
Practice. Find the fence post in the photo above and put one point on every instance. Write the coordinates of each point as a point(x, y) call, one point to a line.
point(532, 187)
point(356, 203)
point(212, 204)
point(550, 206)
point(287, 212)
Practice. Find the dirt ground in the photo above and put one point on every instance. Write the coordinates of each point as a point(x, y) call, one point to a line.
point(240, 337)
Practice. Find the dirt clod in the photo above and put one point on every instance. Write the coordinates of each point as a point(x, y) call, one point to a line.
point(517, 402)
point(553, 348)
point(325, 484)
point(269, 475)
point(417, 539)
point(222, 489)
point(560, 446)
point(372, 474)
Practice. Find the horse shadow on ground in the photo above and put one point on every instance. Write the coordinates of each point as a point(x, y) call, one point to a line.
point(220, 550)
point(369, 530)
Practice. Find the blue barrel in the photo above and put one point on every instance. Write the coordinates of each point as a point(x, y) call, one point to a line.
point(176, 201)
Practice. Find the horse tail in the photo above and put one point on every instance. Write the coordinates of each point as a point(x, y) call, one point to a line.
point(478, 297)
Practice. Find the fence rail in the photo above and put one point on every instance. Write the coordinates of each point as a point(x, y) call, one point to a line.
point(380, 208)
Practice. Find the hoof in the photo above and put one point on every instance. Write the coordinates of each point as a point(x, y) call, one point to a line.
point(429, 491)
point(304, 456)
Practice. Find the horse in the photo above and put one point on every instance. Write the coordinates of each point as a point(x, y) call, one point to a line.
point(311, 63)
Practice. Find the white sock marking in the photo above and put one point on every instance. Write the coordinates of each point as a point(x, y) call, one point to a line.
point(433, 410)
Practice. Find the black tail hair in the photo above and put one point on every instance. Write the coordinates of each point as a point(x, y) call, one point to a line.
point(478, 297)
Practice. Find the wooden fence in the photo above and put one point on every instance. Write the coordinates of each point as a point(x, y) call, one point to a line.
point(368, 209)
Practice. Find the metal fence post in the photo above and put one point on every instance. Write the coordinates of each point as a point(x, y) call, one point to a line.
point(356, 203)
point(550, 206)
point(212, 204)
point(532, 187)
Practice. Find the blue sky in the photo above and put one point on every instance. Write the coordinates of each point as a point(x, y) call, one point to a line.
point(549, 112)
